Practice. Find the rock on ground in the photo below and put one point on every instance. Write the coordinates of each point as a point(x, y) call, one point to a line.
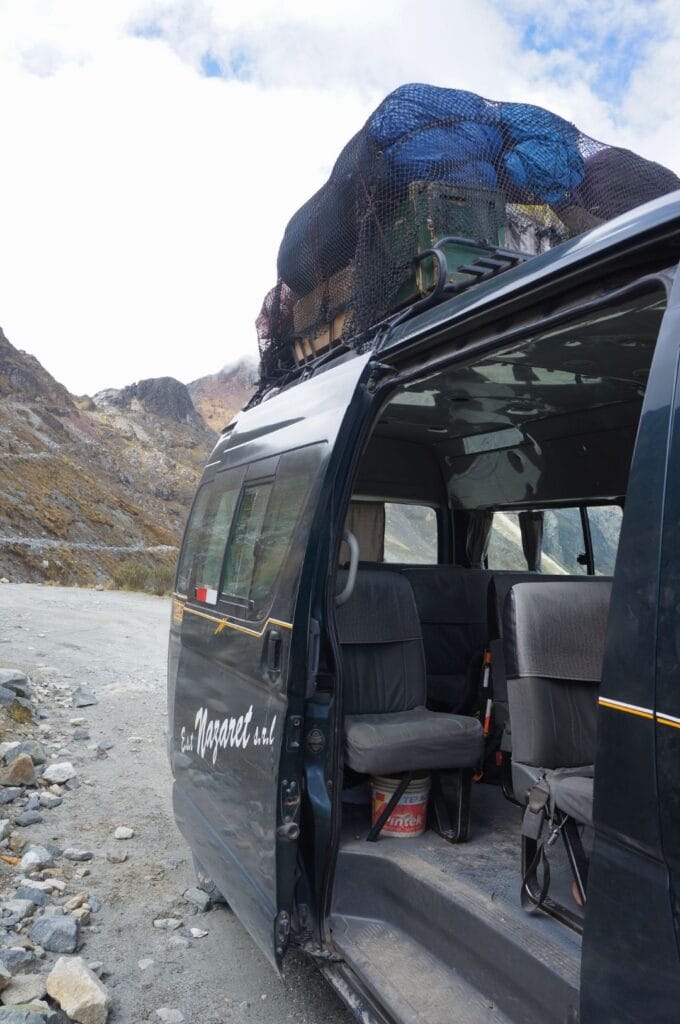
point(24, 988)
point(19, 772)
point(56, 934)
point(60, 772)
point(78, 991)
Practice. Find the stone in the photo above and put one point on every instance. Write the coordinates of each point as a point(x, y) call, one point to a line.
point(56, 934)
point(95, 904)
point(73, 783)
point(35, 895)
point(198, 898)
point(33, 803)
point(5, 828)
point(24, 988)
point(123, 832)
point(35, 751)
point(19, 772)
point(198, 933)
point(8, 794)
point(145, 963)
point(116, 856)
point(167, 923)
point(13, 958)
point(77, 854)
point(80, 735)
point(75, 902)
point(77, 721)
point(29, 1013)
point(78, 990)
point(178, 942)
point(18, 909)
point(83, 698)
point(169, 1015)
point(21, 710)
point(7, 696)
point(17, 842)
point(105, 745)
point(28, 818)
point(82, 915)
point(97, 966)
point(60, 772)
point(49, 800)
point(34, 859)
point(6, 977)
point(7, 750)
point(13, 677)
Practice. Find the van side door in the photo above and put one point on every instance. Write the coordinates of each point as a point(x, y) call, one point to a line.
point(239, 650)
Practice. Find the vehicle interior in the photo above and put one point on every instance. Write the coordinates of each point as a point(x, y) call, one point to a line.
point(486, 510)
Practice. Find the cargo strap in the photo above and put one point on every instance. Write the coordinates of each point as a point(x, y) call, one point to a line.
point(376, 829)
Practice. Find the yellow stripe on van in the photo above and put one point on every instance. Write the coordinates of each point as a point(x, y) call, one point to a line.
point(223, 624)
point(629, 709)
point(669, 720)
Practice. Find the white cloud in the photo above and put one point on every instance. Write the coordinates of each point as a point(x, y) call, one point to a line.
point(142, 204)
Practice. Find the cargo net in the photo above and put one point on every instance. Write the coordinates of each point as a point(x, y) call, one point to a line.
point(432, 163)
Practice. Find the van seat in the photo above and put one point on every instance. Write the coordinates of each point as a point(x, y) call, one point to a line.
point(553, 643)
point(388, 729)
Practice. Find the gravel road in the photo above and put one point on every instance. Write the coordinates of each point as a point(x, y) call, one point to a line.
point(115, 643)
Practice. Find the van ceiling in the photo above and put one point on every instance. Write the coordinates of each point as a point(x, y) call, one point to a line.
point(550, 419)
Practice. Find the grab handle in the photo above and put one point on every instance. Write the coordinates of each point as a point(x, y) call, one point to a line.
point(353, 545)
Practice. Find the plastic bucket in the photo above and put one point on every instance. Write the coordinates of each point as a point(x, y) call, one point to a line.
point(409, 817)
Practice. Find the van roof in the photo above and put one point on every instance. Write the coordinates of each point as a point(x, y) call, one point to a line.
point(642, 227)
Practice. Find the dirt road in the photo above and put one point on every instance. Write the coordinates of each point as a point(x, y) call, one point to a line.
point(115, 643)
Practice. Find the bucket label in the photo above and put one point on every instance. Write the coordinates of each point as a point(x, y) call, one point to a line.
point(408, 817)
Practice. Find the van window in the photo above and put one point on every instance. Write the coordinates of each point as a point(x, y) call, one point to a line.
point(410, 534)
point(200, 562)
point(505, 543)
point(261, 542)
point(605, 527)
point(563, 542)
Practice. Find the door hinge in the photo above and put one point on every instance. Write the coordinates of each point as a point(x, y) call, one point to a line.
point(281, 932)
point(290, 810)
point(294, 733)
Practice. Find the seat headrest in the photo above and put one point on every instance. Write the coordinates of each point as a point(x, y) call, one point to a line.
point(556, 630)
point(381, 609)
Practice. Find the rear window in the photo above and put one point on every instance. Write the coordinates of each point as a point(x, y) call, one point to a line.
point(410, 534)
point(393, 531)
point(563, 544)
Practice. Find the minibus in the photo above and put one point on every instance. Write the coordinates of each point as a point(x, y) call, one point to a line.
point(446, 561)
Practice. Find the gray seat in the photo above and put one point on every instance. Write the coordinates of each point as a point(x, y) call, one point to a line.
point(387, 726)
point(553, 647)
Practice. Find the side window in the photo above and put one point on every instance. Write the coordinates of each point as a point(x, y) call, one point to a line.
point(605, 527)
point(505, 543)
point(271, 514)
point(200, 562)
point(563, 542)
point(410, 534)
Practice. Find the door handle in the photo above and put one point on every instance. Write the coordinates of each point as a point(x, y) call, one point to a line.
point(274, 644)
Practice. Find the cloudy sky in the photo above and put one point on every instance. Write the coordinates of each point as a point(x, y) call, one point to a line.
point(152, 152)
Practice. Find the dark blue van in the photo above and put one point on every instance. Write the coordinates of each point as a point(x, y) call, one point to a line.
point(454, 555)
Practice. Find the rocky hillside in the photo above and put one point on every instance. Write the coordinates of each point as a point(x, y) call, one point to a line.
point(90, 485)
point(219, 396)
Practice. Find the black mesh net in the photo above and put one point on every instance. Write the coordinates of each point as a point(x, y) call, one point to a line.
point(432, 163)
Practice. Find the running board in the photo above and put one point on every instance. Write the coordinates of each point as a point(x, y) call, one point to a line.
point(433, 952)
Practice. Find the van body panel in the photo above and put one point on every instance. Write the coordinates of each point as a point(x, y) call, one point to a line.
point(230, 675)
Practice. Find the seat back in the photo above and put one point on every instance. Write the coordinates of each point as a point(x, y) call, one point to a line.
point(382, 647)
point(553, 644)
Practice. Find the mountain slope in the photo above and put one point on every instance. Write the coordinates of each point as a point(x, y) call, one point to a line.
point(87, 485)
point(219, 396)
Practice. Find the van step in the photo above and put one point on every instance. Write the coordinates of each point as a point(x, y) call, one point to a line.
point(394, 909)
point(403, 974)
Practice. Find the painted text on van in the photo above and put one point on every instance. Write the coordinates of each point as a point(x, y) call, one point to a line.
point(209, 736)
